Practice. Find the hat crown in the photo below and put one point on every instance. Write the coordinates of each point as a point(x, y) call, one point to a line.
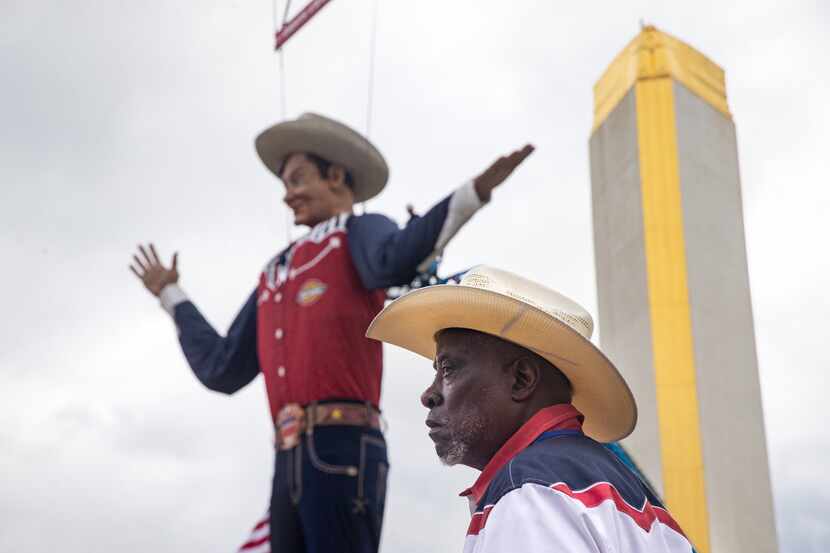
point(533, 294)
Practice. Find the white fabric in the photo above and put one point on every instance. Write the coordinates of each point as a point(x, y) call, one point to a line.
point(536, 519)
point(171, 296)
point(463, 205)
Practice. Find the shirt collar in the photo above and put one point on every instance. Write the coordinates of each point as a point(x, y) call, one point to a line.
point(556, 417)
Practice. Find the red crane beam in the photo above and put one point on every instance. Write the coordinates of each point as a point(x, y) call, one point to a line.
point(296, 23)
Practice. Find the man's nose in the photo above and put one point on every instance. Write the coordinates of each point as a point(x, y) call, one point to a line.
point(431, 398)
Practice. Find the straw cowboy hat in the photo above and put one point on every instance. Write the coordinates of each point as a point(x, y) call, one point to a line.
point(330, 140)
point(525, 313)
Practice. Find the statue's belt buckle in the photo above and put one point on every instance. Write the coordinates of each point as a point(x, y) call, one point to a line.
point(290, 425)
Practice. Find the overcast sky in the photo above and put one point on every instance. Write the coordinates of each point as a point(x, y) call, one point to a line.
point(123, 122)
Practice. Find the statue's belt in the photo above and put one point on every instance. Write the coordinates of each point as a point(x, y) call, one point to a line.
point(293, 420)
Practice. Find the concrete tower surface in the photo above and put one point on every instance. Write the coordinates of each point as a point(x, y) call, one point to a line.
point(673, 289)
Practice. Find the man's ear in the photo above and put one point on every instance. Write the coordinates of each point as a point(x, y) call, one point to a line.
point(526, 378)
point(336, 177)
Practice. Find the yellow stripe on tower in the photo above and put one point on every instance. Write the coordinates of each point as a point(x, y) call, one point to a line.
point(671, 325)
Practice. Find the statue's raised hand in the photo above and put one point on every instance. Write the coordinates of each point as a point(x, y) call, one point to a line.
point(152, 272)
point(498, 172)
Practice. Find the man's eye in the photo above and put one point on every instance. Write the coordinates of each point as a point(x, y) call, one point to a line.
point(447, 370)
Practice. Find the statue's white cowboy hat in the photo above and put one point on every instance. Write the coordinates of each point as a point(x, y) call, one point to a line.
point(330, 140)
point(525, 313)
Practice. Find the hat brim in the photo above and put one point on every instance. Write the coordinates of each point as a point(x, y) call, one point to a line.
point(600, 392)
point(331, 141)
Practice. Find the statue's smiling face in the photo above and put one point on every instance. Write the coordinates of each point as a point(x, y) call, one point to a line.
point(313, 197)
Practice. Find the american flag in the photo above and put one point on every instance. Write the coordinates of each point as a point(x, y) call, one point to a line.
point(260, 539)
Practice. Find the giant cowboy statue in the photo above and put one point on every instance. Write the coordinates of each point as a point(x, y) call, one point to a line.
point(303, 329)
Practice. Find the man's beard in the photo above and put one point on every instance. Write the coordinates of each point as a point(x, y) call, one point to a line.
point(462, 437)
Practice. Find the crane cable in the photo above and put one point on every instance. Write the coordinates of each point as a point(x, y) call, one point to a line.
point(280, 57)
point(370, 92)
point(281, 73)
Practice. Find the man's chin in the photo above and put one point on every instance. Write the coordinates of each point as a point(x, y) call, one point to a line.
point(446, 461)
point(450, 455)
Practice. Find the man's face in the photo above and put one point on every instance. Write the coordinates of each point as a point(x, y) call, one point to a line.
point(469, 401)
point(309, 194)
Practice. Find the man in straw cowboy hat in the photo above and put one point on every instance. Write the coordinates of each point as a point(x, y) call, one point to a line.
point(303, 329)
point(521, 394)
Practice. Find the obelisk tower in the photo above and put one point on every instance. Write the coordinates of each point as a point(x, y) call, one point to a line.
point(673, 289)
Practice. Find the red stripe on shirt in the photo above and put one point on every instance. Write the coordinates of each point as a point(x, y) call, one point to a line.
point(479, 520)
point(603, 491)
